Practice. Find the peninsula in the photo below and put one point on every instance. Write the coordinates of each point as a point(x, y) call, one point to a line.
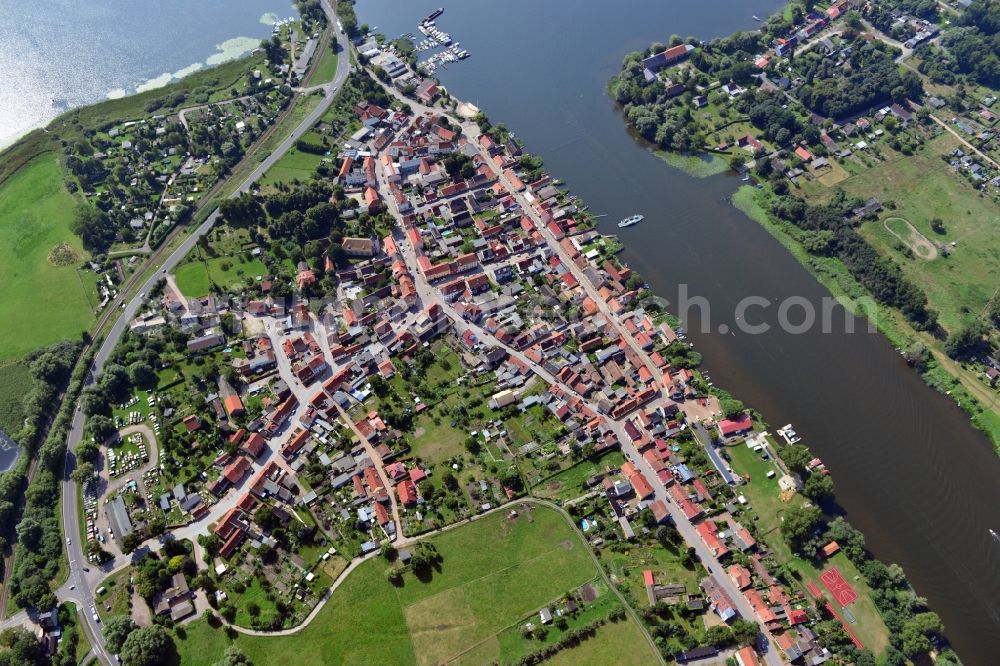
point(381, 393)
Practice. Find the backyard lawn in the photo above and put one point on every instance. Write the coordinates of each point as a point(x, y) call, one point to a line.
point(569, 483)
point(45, 297)
point(495, 572)
point(195, 276)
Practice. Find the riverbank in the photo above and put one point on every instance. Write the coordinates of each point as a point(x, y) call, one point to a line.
point(911, 473)
point(938, 372)
point(825, 192)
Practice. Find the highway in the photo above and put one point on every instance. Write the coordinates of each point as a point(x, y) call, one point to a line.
point(84, 578)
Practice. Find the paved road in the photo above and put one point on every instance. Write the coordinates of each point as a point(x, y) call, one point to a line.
point(430, 295)
point(83, 578)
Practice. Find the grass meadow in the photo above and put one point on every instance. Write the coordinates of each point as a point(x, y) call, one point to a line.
point(42, 302)
point(495, 572)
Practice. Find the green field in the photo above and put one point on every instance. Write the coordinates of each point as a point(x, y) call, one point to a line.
point(293, 165)
point(15, 378)
point(615, 643)
point(195, 276)
point(42, 303)
point(924, 187)
point(327, 65)
point(495, 572)
point(117, 595)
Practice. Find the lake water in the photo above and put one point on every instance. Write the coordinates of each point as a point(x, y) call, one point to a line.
point(910, 470)
point(55, 54)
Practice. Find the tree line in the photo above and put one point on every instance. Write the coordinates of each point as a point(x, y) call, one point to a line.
point(835, 236)
point(40, 553)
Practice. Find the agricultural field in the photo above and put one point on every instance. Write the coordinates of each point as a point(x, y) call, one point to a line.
point(39, 261)
point(494, 572)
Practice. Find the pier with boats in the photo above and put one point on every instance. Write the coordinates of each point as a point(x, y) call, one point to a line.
point(434, 38)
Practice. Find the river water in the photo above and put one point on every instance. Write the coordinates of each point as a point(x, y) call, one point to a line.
point(910, 470)
point(55, 54)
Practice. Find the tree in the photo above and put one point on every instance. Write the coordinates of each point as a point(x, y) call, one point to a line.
point(913, 642)
point(116, 629)
point(243, 211)
point(147, 646)
point(731, 407)
point(176, 563)
point(94, 227)
point(745, 632)
point(818, 487)
point(719, 635)
point(101, 427)
point(83, 473)
point(141, 374)
point(796, 457)
point(22, 649)
point(131, 541)
point(798, 524)
point(967, 342)
point(233, 657)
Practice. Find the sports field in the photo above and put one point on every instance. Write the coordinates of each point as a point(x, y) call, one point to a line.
point(495, 572)
point(838, 587)
point(45, 298)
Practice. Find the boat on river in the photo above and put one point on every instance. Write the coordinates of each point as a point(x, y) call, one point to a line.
point(629, 221)
point(433, 15)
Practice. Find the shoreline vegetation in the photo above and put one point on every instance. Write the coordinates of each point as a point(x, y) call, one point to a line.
point(709, 108)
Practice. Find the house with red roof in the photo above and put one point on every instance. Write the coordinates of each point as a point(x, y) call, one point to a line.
point(732, 427)
point(740, 575)
point(236, 469)
point(745, 656)
point(709, 533)
point(407, 492)
point(254, 446)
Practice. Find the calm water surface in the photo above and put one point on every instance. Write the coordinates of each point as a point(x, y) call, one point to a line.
point(910, 470)
point(55, 54)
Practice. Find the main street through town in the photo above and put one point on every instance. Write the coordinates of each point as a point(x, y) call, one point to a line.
point(429, 295)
